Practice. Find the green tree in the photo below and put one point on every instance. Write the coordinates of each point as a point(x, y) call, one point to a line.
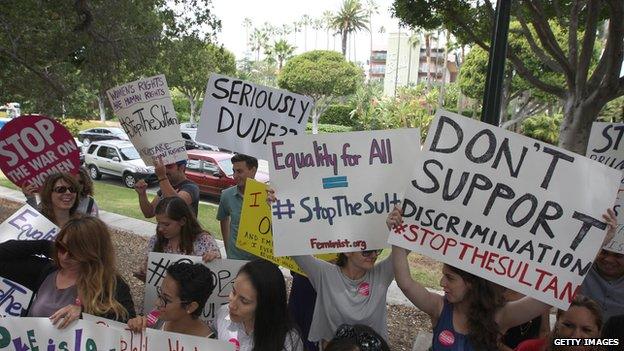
point(543, 127)
point(188, 63)
point(586, 90)
point(280, 52)
point(325, 76)
point(351, 17)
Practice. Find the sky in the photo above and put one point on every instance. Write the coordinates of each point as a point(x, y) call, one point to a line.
point(278, 12)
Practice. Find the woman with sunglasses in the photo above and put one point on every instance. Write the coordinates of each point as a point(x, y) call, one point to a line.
point(181, 300)
point(59, 198)
point(357, 338)
point(179, 232)
point(80, 278)
point(256, 318)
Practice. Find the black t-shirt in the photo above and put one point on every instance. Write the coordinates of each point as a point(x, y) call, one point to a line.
point(189, 187)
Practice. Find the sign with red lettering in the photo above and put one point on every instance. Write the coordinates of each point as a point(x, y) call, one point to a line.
point(607, 147)
point(508, 208)
point(146, 114)
point(166, 341)
point(33, 147)
point(241, 116)
point(27, 224)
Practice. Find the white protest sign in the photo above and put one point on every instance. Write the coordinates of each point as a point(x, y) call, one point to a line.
point(146, 114)
point(240, 115)
point(335, 190)
point(513, 210)
point(128, 340)
point(223, 273)
point(14, 298)
point(28, 333)
point(605, 146)
point(27, 224)
point(167, 341)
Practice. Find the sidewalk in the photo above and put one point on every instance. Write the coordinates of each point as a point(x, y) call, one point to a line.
point(147, 229)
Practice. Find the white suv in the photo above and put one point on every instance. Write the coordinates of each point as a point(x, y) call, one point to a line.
point(117, 158)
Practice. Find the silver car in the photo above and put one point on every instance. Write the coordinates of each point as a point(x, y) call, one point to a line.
point(117, 158)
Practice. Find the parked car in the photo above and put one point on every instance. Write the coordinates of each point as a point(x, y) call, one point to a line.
point(80, 150)
point(212, 171)
point(189, 135)
point(88, 135)
point(118, 158)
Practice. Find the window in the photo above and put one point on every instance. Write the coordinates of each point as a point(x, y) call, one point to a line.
point(193, 165)
point(129, 153)
point(210, 167)
point(92, 149)
point(103, 151)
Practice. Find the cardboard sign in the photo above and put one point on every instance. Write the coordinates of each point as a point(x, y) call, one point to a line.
point(605, 146)
point(255, 235)
point(128, 340)
point(33, 147)
point(240, 116)
point(27, 224)
point(28, 333)
point(146, 114)
point(513, 210)
point(335, 190)
point(167, 341)
point(223, 272)
point(14, 298)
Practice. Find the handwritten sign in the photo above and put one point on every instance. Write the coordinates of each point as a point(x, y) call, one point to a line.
point(167, 341)
point(507, 208)
point(33, 147)
point(240, 115)
point(28, 333)
point(605, 146)
point(255, 235)
point(27, 224)
point(335, 190)
point(223, 273)
point(146, 114)
point(128, 340)
point(14, 298)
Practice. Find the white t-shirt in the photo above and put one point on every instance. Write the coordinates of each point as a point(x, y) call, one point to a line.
point(235, 334)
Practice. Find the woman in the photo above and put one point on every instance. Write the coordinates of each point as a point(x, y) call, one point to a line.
point(357, 338)
point(256, 317)
point(472, 313)
point(59, 198)
point(581, 321)
point(179, 232)
point(81, 278)
point(87, 204)
point(181, 300)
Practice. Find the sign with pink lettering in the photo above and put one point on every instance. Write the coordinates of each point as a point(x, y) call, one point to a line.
point(33, 147)
point(14, 298)
point(513, 210)
point(167, 341)
point(335, 190)
point(27, 224)
point(146, 114)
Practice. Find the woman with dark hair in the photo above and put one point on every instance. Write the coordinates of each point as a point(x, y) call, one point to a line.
point(256, 318)
point(87, 204)
point(582, 320)
point(59, 197)
point(181, 300)
point(357, 338)
point(179, 232)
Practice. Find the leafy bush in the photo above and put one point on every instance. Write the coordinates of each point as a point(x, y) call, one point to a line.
point(339, 114)
point(73, 125)
point(543, 127)
point(328, 128)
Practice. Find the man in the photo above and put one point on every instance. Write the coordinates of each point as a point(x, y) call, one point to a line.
point(604, 283)
point(173, 182)
point(231, 203)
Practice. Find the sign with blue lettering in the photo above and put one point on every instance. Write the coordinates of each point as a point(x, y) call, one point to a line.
point(27, 224)
point(14, 298)
point(335, 190)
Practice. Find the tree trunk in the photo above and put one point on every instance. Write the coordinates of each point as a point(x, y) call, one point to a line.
point(192, 103)
point(101, 107)
point(344, 43)
point(428, 54)
point(444, 69)
point(578, 117)
point(315, 119)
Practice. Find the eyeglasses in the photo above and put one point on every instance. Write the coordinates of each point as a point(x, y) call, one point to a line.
point(165, 301)
point(64, 189)
point(368, 253)
point(365, 340)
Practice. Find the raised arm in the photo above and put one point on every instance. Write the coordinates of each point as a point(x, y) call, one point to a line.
point(520, 311)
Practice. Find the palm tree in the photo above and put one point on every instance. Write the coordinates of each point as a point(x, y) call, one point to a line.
point(371, 9)
point(350, 18)
point(328, 17)
point(258, 40)
point(317, 24)
point(281, 51)
point(305, 22)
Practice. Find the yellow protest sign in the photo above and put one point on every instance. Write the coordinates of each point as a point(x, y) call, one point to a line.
point(254, 231)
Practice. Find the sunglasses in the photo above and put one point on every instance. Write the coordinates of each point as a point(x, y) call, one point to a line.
point(165, 301)
point(64, 189)
point(365, 340)
point(369, 253)
point(62, 249)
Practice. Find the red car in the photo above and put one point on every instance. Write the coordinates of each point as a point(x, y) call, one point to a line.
point(212, 171)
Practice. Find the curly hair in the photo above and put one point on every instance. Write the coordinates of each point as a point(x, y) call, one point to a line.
point(46, 206)
point(484, 300)
point(85, 182)
point(195, 283)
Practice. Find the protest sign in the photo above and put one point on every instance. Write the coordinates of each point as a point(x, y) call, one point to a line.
point(255, 234)
point(28, 333)
point(223, 272)
point(335, 190)
point(27, 224)
point(33, 147)
point(128, 340)
point(146, 114)
point(240, 116)
point(167, 341)
point(605, 146)
point(513, 210)
point(14, 298)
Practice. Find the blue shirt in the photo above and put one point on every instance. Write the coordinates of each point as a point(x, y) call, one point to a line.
point(230, 205)
point(445, 338)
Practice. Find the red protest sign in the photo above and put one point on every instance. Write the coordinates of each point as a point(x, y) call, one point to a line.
point(34, 146)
